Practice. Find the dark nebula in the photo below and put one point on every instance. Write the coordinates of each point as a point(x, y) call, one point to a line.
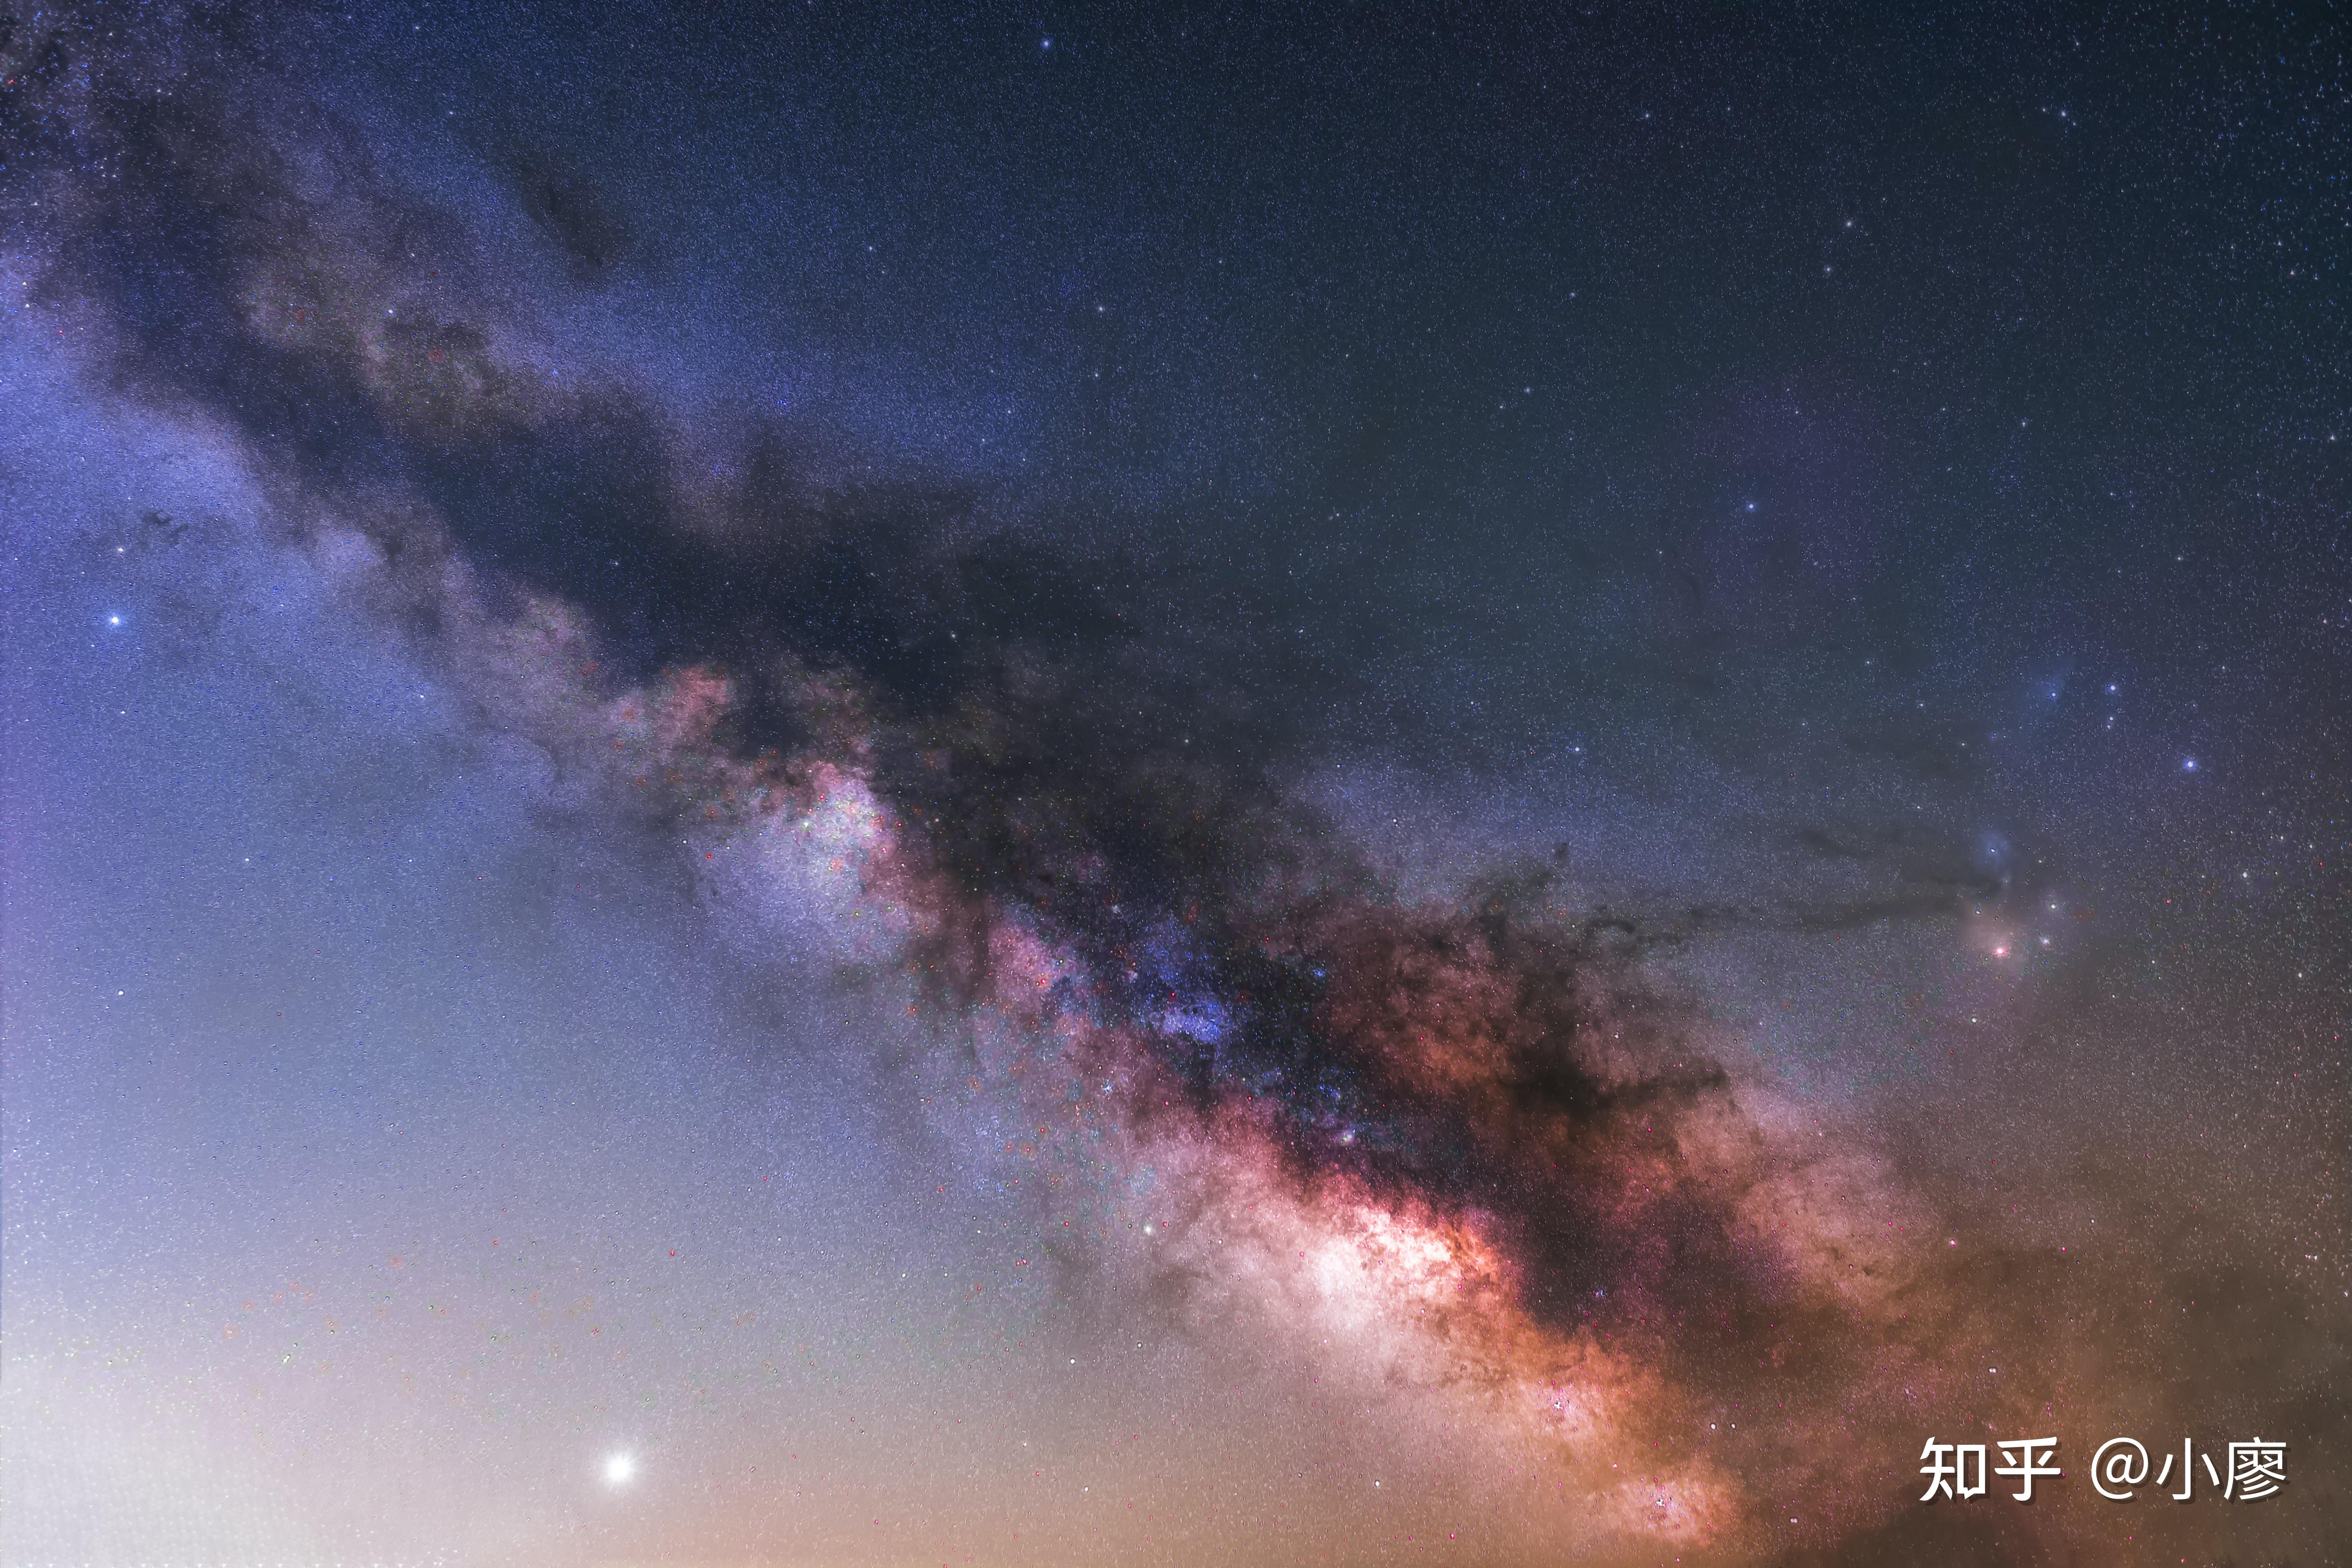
point(1500, 1109)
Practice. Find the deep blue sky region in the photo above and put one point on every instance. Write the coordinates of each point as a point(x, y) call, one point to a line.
point(1168, 785)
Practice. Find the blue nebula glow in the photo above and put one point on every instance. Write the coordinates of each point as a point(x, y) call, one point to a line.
point(1204, 1019)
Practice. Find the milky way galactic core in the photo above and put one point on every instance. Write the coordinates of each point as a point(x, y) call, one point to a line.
point(1184, 787)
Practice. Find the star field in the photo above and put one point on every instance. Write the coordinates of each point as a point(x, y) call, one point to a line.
point(1168, 785)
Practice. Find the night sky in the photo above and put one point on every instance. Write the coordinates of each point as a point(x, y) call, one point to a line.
point(1175, 787)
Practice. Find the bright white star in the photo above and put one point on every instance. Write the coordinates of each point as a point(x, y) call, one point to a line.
point(620, 1469)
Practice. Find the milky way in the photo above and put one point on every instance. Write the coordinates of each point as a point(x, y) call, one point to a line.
point(1492, 1155)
